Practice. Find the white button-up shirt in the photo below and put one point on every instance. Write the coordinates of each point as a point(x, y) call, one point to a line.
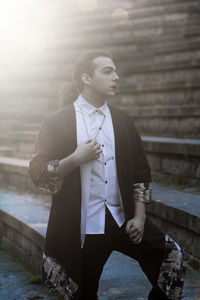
point(99, 183)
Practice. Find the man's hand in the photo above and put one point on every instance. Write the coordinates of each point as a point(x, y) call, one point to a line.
point(83, 153)
point(135, 229)
point(87, 151)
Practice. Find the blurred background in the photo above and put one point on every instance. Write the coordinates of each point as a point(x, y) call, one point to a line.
point(156, 47)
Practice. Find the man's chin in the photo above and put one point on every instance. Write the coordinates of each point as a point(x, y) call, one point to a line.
point(112, 93)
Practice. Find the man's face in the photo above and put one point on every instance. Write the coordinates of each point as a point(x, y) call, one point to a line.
point(104, 79)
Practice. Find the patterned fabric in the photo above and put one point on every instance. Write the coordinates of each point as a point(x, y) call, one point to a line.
point(142, 192)
point(48, 179)
point(172, 272)
point(55, 277)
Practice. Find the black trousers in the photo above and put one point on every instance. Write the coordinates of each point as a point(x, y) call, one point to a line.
point(150, 254)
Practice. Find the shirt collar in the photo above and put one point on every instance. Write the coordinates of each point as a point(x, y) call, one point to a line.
point(89, 108)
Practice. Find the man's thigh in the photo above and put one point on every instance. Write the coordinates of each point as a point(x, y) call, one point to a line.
point(149, 253)
point(95, 253)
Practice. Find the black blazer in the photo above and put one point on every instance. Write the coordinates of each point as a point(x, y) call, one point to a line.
point(56, 140)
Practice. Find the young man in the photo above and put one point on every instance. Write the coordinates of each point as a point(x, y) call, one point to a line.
point(90, 156)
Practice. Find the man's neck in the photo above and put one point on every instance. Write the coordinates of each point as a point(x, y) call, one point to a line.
point(96, 101)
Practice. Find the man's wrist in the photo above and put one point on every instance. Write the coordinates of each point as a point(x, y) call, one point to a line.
point(140, 217)
point(75, 159)
point(140, 210)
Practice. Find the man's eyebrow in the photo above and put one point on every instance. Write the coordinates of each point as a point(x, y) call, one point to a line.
point(108, 67)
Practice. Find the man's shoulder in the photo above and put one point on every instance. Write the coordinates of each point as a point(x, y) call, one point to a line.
point(60, 114)
point(123, 117)
point(119, 112)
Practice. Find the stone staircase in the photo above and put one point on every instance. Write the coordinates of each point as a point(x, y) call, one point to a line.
point(156, 46)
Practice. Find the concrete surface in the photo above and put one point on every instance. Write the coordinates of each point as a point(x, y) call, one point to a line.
point(16, 282)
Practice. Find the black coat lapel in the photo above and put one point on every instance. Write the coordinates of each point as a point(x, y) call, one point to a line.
point(123, 157)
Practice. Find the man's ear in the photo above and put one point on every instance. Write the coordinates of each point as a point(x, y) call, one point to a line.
point(86, 78)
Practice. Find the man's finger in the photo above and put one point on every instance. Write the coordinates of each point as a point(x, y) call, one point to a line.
point(136, 240)
point(134, 230)
point(97, 147)
point(139, 241)
point(128, 226)
point(93, 142)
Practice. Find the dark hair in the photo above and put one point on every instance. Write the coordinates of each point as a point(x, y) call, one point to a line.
point(84, 64)
point(69, 92)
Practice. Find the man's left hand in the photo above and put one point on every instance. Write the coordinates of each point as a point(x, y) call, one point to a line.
point(135, 229)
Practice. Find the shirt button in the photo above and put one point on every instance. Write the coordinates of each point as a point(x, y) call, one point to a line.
point(106, 181)
point(99, 128)
point(105, 200)
point(102, 145)
point(105, 164)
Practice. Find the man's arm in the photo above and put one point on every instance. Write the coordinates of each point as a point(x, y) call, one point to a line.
point(142, 193)
point(135, 226)
point(83, 153)
point(46, 170)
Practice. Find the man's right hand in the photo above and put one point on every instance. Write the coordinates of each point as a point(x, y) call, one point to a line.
point(87, 151)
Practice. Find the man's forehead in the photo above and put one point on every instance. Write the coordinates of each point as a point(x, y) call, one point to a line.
point(103, 62)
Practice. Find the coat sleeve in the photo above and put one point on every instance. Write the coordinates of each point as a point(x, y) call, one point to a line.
point(142, 186)
point(44, 163)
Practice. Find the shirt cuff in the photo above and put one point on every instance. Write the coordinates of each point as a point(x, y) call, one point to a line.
point(142, 192)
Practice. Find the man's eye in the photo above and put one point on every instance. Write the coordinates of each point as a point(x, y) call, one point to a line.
point(107, 71)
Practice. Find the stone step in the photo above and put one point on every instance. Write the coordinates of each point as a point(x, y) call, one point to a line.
point(6, 151)
point(187, 147)
point(14, 173)
point(72, 6)
point(23, 135)
point(172, 158)
point(21, 114)
point(176, 17)
point(106, 13)
point(179, 96)
point(167, 116)
point(121, 53)
point(165, 121)
point(28, 103)
point(169, 127)
point(151, 62)
point(21, 143)
point(154, 3)
point(164, 111)
point(141, 81)
point(122, 37)
point(159, 81)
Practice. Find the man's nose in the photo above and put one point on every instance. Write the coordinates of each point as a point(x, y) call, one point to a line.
point(116, 77)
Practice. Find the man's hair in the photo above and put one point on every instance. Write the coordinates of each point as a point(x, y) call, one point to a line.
point(84, 64)
point(69, 92)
